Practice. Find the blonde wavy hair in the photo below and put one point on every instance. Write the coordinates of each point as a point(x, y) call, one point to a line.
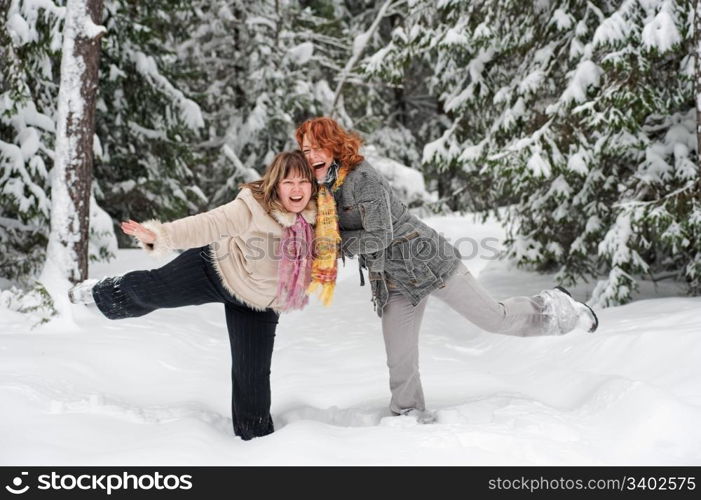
point(285, 164)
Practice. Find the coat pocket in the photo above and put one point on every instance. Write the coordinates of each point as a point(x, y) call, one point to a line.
point(408, 260)
point(375, 216)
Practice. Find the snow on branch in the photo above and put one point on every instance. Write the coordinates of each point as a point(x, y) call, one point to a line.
point(359, 45)
point(586, 75)
point(190, 111)
point(661, 33)
point(22, 18)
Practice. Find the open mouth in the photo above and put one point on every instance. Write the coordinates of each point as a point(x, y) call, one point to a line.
point(319, 165)
point(296, 198)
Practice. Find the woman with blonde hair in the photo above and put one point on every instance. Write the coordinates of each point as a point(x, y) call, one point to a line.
point(406, 262)
point(253, 255)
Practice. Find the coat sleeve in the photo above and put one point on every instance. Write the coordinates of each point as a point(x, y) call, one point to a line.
point(376, 217)
point(198, 230)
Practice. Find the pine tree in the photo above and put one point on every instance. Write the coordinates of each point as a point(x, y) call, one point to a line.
point(405, 62)
point(148, 125)
point(578, 114)
point(147, 165)
point(30, 40)
point(260, 69)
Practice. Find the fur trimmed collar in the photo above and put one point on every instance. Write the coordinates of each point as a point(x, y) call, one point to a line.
point(287, 219)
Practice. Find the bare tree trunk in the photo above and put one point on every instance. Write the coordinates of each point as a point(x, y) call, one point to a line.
point(75, 129)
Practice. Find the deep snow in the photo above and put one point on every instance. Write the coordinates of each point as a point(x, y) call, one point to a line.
point(156, 390)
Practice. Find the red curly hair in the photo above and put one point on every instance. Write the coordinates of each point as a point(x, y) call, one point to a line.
point(328, 134)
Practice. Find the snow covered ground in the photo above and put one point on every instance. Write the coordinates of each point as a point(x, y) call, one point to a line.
point(155, 390)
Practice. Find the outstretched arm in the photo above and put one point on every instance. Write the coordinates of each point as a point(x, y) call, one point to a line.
point(190, 232)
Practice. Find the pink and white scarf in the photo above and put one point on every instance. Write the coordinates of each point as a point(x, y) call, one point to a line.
point(295, 270)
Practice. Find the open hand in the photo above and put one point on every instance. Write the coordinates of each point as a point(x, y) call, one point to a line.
point(138, 231)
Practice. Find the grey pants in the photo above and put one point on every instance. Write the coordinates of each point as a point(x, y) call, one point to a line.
point(401, 321)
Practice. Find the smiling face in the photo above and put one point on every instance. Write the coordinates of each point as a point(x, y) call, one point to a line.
point(318, 158)
point(294, 192)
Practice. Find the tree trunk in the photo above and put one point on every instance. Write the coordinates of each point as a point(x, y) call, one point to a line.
point(75, 128)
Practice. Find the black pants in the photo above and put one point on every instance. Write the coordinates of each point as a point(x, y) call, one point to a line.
point(190, 279)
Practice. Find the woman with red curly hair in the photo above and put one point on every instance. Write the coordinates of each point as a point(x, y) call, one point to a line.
point(407, 261)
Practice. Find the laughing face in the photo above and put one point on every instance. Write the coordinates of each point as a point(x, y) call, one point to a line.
point(318, 158)
point(294, 192)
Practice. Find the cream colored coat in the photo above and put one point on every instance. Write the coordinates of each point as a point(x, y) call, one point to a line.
point(244, 244)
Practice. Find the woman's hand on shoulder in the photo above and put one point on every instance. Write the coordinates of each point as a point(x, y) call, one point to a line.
point(139, 232)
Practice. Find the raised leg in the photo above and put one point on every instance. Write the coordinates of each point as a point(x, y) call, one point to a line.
point(520, 316)
point(187, 280)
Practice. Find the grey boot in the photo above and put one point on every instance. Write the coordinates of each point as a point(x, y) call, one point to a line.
point(421, 416)
point(587, 315)
point(82, 292)
point(565, 313)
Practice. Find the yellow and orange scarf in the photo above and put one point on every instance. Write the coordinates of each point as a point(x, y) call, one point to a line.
point(327, 241)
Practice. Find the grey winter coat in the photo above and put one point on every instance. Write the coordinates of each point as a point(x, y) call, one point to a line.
point(391, 243)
